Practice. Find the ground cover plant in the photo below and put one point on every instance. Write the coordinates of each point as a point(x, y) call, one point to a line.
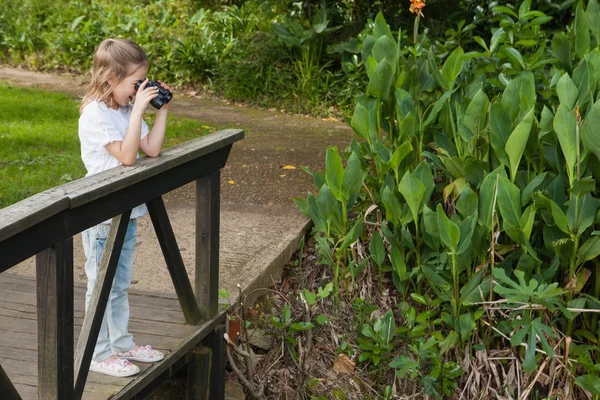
point(456, 239)
point(39, 143)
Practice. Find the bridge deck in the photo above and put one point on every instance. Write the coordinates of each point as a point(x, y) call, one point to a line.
point(156, 319)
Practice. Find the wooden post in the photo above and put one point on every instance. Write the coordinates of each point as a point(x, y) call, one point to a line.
point(216, 343)
point(97, 306)
point(6, 387)
point(198, 373)
point(168, 244)
point(54, 275)
point(207, 243)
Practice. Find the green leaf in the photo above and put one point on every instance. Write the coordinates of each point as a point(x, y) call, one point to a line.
point(393, 209)
point(592, 14)
point(353, 235)
point(310, 297)
point(301, 326)
point(487, 191)
point(517, 141)
point(386, 49)
point(531, 186)
point(545, 124)
point(560, 219)
point(500, 130)
point(561, 50)
point(381, 27)
point(398, 262)
point(452, 67)
point(589, 250)
point(497, 37)
point(334, 171)
point(448, 342)
point(509, 202)
point(515, 56)
point(468, 202)
point(439, 104)
point(565, 127)
point(466, 324)
point(322, 319)
point(413, 191)
point(590, 134)
point(388, 327)
point(377, 248)
point(589, 382)
point(353, 177)
point(582, 32)
point(399, 155)
point(449, 231)
point(476, 114)
point(581, 213)
point(380, 83)
point(324, 292)
point(567, 92)
point(504, 10)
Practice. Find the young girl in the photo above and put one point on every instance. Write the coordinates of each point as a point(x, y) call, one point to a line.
point(111, 132)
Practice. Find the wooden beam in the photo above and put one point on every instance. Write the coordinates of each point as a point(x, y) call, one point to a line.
point(216, 343)
point(54, 275)
point(207, 243)
point(168, 244)
point(198, 373)
point(6, 387)
point(97, 306)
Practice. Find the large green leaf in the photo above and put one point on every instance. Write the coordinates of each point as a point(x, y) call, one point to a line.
point(561, 49)
point(439, 104)
point(449, 231)
point(589, 382)
point(582, 32)
point(367, 48)
point(413, 191)
point(565, 127)
point(328, 205)
point(393, 209)
point(560, 219)
point(593, 18)
point(500, 129)
point(334, 171)
point(353, 177)
point(567, 92)
point(476, 115)
point(452, 67)
point(380, 83)
point(517, 141)
point(509, 202)
point(364, 120)
point(581, 213)
point(546, 122)
point(398, 156)
point(589, 250)
point(386, 49)
point(590, 134)
point(381, 27)
point(377, 249)
point(398, 263)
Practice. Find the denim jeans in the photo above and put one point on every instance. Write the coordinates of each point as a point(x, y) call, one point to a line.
point(114, 335)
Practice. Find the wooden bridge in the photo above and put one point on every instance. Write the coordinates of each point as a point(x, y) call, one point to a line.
point(46, 338)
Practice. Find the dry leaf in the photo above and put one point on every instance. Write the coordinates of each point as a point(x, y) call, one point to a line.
point(289, 167)
point(231, 182)
point(343, 365)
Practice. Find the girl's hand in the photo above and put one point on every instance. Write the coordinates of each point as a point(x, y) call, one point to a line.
point(143, 97)
point(164, 86)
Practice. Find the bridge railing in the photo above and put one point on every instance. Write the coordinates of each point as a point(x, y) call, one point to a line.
point(44, 225)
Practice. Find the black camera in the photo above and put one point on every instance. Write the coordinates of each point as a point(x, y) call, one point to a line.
point(164, 96)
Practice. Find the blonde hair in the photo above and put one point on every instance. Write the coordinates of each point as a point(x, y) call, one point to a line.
point(114, 59)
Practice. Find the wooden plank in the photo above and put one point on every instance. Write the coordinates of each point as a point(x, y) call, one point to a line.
point(99, 298)
point(207, 243)
point(172, 358)
point(174, 261)
point(216, 343)
point(198, 372)
point(54, 271)
point(7, 388)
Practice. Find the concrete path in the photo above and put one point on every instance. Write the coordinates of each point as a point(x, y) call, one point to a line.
point(260, 225)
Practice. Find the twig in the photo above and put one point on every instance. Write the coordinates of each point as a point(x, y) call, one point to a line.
point(236, 348)
point(248, 359)
point(261, 387)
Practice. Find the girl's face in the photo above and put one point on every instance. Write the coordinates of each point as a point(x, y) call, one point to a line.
point(123, 92)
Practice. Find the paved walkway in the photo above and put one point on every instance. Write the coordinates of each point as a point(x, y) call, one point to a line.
point(260, 225)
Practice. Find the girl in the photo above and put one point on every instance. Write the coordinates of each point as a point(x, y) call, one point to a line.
point(111, 132)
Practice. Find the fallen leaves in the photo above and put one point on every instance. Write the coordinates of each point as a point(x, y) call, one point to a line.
point(343, 365)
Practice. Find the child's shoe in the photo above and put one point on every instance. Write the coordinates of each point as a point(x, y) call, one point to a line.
point(114, 367)
point(144, 354)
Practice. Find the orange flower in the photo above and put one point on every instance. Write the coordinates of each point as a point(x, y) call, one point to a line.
point(416, 6)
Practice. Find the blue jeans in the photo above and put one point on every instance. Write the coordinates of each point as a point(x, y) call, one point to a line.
point(114, 335)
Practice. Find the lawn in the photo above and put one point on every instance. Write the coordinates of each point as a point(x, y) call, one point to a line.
point(39, 146)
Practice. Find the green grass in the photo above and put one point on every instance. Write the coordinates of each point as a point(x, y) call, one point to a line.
point(39, 146)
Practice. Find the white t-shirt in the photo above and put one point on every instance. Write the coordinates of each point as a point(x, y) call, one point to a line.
point(100, 125)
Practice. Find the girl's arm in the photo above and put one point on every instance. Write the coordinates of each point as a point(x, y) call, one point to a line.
point(126, 151)
point(152, 143)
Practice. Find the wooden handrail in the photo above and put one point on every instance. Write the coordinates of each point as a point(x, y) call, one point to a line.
point(44, 225)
